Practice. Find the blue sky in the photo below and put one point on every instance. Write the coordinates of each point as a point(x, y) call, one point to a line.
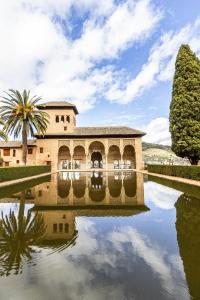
point(113, 59)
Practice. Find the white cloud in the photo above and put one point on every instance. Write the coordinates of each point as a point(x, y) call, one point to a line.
point(36, 53)
point(160, 63)
point(157, 131)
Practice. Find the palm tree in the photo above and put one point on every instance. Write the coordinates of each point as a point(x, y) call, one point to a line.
point(21, 116)
point(3, 135)
point(19, 234)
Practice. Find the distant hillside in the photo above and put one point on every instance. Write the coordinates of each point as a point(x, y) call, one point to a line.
point(146, 146)
point(161, 154)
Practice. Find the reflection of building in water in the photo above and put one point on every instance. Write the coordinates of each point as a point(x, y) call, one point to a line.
point(60, 225)
point(188, 236)
point(94, 188)
point(70, 195)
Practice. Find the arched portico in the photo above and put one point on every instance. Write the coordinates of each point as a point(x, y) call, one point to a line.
point(64, 158)
point(129, 157)
point(79, 157)
point(97, 154)
point(114, 157)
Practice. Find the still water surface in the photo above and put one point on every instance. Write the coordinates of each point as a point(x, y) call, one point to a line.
point(99, 236)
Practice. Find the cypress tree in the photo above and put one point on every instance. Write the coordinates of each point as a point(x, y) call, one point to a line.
point(185, 106)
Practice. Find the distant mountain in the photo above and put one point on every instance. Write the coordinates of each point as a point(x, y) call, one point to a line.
point(160, 154)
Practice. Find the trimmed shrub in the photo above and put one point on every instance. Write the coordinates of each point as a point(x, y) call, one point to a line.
point(11, 173)
point(190, 172)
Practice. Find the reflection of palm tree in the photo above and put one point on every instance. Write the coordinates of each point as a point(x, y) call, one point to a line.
point(60, 245)
point(18, 235)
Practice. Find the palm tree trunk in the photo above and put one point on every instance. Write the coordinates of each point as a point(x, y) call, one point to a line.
point(21, 213)
point(24, 143)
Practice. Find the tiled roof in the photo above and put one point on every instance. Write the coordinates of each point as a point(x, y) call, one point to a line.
point(106, 130)
point(99, 131)
point(16, 144)
point(57, 104)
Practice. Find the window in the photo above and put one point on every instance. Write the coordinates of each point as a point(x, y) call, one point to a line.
point(14, 152)
point(60, 227)
point(55, 228)
point(41, 150)
point(66, 227)
point(62, 119)
point(65, 128)
point(40, 193)
point(30, 151)
point(6, 152)
point(57, 119)
point(17, 161)
point(68, 119)
point(7, 164)
point(48, 163)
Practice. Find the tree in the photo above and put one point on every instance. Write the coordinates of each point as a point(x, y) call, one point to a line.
point(185, 106)
point(3, 135)
point(21, 116)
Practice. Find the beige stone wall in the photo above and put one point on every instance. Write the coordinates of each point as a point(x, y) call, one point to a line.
point(17, 159)
point(59, 127)
point(47, 152)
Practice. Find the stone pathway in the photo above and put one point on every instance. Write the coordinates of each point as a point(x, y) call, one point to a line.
point(24, 179)
point(172, 178)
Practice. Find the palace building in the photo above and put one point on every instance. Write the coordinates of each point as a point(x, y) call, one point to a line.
point(66, 146)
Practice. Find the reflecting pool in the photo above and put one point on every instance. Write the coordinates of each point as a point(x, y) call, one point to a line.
point(115, 235)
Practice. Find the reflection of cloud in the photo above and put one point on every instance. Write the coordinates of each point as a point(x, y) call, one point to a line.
point(161, 196)
point(153, 256)
point(102, 265)
point(6, 207)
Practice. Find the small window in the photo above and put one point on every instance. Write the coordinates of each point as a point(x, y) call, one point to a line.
point(60, 227)
point(65, 128)
point(57, 119)
point(55, 227)
point(66, 227)
point(40, 193)
point(62, 119)
point(7, 164)
point(41, 150)
point(6, 152)
point(14, 152)
point(17, 161)
point(30, 151)
point(68, 119)
point(48, 163)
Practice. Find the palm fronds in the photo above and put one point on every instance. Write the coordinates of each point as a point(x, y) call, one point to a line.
point(18, 237)
point(20, 115)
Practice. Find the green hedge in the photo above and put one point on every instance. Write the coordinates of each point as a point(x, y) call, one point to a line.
point(10, 173)
point(190, 172)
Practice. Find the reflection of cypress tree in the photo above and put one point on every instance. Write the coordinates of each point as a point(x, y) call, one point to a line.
point(18, 235)
point(188, 236)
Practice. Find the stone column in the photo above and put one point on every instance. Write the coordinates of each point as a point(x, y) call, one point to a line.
point(106, 152)
point(71, 150)
point(121, 148)
point(138, 154)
